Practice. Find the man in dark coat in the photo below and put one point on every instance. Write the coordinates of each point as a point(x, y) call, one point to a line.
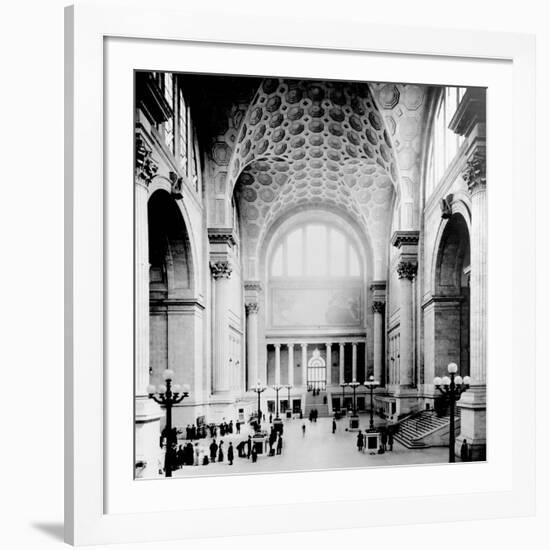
point(238, 426)
point(360, 441)
point(390, 440)
point(254, 454)
point(333, 426)
point(464, 452)
point(248, 446)
point(279, 444)
point(230, 454)
point(213, 450)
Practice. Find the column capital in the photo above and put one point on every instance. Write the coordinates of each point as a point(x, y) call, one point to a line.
point(252, 308)
point(303, 344)
point(474, 173)
point(407, 270)
point(328, 345)
point(146, 168)
point(221, 269)
point(277, 345)
point(378, 307)
point(354, 344)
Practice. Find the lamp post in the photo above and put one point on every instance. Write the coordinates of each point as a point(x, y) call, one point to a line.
point(370, 384)
point(452, 387)
point(289, 408)
point(343, 386)
point(277, 388)
point(259, 389)
point(353, 385)
point(168, 396)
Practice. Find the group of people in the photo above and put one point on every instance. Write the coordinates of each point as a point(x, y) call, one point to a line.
point(193, 432)
point(313, 415)
point(386, 441)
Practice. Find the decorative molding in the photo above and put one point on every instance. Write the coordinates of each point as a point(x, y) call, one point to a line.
point(221, 235)
point(221, 269)
point(474, 174)
point(150, 99)
point(407, 270)
point(405, 238)
point(253, 286)
point(177, 185)
point(252, 307)
point(146, 168)
point(378, 307)
point(446, 204)
point(378, 286)
point(470, 111)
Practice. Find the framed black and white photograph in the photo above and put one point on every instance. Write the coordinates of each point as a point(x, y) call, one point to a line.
point(301, 274)
point(310, 274)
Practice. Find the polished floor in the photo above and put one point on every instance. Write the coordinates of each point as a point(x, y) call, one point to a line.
point(317, 449)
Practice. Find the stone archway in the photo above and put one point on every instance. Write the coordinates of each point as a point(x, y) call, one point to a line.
point(447, 311)
point(175, 315)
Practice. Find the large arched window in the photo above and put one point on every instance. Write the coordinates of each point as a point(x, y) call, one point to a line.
point(444, 143)
point(315, 250)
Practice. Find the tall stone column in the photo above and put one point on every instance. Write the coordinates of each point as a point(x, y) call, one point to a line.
point(329, 364)
point(277, 363)
point(378, 289)
point(406, 272)
point(378, 340)
point(407, 243)
point(473, 403)
point(291, 364)
point(341, 366)
point(252, 343)
point(221, 272)
point(304, 364)
point(147, 412)
point(354, 361)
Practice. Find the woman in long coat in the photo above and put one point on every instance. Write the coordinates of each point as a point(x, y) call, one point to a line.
point(360, 441)
point(220, 452)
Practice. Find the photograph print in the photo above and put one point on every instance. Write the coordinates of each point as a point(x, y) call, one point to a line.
point(310, 274)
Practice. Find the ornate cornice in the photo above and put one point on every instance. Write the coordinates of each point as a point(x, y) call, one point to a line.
point(253, 286)
point(221, 269)
point(378, 307)
point(252, 307)
point(378, 286)
point(146, 168)
point(221, 235)
point(471, 111)
point(474, 174)
point(407, 238)
point(407, 270)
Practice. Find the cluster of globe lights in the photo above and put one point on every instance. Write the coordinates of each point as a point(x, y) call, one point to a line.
point(161, 389)
point(457, 379)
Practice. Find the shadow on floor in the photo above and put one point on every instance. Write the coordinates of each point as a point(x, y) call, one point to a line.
point(54, 530)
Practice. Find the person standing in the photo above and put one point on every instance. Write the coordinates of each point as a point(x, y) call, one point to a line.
point(197, 454)
point(303, 430)
point(464, 451)
point(333, 425)
point(248, 447)
point(213, 451)
point(230, 454)
point(384, 439)
point(279, 444)
point(220, 452)
point(254, 454)
point(238, 426)
point(390, 440)
point(360, 441)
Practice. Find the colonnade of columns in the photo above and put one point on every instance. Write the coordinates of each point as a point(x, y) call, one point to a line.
point(281, 369)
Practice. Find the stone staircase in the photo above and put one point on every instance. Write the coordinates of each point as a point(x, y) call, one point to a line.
point(316, 402)
point(425, 429)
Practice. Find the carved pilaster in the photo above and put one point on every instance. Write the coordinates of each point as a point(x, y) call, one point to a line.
point(146, 168)
point(221, 269)
point(407, 270)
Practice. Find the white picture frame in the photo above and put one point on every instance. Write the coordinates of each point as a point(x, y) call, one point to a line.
point(102, 504)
